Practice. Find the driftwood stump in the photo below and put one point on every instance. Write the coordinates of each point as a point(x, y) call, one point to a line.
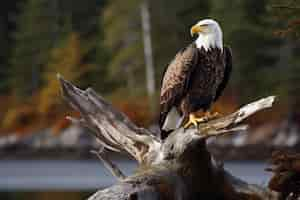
point(286, 175)
point(177, 168)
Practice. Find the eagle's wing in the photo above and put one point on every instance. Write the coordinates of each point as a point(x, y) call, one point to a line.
point(227, 73)
point(176, 79)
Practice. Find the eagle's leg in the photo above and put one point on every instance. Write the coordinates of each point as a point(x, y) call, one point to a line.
point(193, 120)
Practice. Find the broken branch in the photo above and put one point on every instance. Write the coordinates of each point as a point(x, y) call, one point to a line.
point(114, 170)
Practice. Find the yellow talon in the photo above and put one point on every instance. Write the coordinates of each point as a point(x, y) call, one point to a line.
point(194, 120)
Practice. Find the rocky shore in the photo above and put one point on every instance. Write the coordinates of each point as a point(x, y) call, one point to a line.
point(75, 142)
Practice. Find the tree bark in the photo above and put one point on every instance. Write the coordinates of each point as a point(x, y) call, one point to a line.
point(179, 167)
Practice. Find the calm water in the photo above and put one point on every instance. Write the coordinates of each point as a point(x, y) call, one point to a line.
point(24, 175)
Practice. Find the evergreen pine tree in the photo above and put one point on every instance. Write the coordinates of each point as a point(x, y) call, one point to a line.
point(7, 9)
point(171, 26)
point(86, 22)
point(123, 39)
point(37, 32)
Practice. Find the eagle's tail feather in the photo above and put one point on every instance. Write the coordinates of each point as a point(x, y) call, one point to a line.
point(170, 122)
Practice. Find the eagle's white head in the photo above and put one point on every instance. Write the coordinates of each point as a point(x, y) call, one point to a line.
point(209, 34)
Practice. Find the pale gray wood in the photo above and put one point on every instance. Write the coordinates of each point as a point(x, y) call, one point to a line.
point(180, 167)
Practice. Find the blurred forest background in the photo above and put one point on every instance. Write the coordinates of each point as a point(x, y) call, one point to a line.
point(100, 44)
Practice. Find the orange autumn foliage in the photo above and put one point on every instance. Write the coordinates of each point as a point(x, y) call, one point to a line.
point(137, 109)
point(66, 60)
point(25, 118)
point(226, 104)
point(46, 106)
point(20, 118)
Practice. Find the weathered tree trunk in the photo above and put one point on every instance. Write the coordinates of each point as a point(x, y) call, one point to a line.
point(286, 177)
point(179, 167)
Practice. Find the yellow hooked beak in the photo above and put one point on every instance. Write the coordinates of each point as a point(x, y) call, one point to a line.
point(196, 29)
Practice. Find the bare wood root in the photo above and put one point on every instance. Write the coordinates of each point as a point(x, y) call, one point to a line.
point(181, 139)
point(114, 170)
point(221, 125)
point(114, 130)
point(286, 175)
point(176, 168)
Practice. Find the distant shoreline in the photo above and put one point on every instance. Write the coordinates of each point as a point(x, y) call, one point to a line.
point(225, 153)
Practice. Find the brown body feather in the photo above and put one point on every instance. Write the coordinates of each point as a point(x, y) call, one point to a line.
point(194, 80)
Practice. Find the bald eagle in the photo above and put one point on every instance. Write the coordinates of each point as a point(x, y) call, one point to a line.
point(195, 78)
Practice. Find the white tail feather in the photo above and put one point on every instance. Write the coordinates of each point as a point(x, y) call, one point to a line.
point(173, 120)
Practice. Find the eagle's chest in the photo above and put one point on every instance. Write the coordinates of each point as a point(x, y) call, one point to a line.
point(208, 73)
